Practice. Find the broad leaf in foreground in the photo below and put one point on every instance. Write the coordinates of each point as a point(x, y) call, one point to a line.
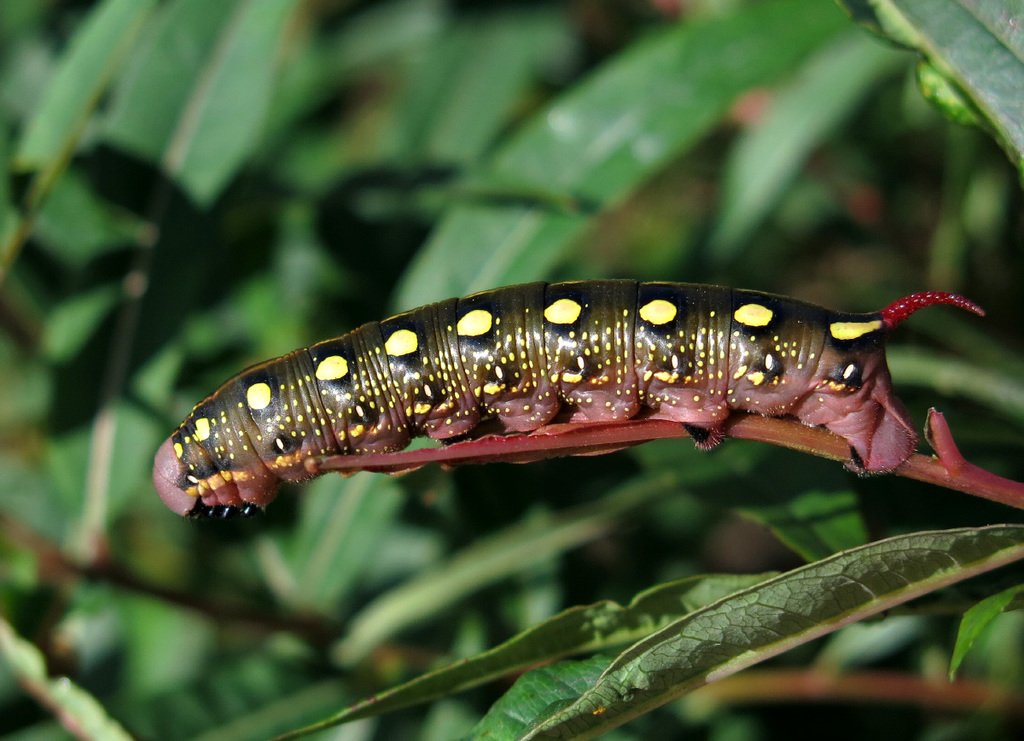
point(756, 624)
point(595, 627)
point(975, 46)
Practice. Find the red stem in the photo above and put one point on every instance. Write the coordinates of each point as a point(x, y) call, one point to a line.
point(948, 469)
point(799, 685)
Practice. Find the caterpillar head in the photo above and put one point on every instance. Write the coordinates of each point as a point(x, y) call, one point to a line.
point(208, 492)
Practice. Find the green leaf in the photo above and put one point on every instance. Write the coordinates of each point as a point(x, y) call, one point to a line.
point(341, 526)
point(95, 54)
point(77, 710)
point(199, 89)
point(20, 17)
point(826, 90)
point(73, 323)
point(976, 619)
point(768, 619)
point(1001, 392)
point(585, 628)
point(945, 96)
point(490, 560)
point(815, 524)
point(76, 224)
point(462, 87)
point(539, 694)
point(977, 45)
point(596, 144)
point(8, 216)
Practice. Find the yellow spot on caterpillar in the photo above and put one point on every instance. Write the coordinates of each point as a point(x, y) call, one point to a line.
point(356, 430)
point(563, 311)
point(257, 396)
point(572, 377)
point(421, 407)
point(202, 428)
point(493, 388)
point(332, 368)
point(401, 342)
point(666, 376)
point(474, 324)
point(658, 311)
point(753, 315)
point(739, 372)
point(853, 330)
point(756, 378)
point(178, 450)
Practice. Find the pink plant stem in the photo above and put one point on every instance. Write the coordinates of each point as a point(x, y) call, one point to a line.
point(948, 470)
point(800, 685)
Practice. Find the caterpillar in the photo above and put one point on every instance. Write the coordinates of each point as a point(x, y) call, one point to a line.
point(516, 360)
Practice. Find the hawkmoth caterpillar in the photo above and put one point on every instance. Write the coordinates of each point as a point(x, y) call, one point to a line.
point(515, 360)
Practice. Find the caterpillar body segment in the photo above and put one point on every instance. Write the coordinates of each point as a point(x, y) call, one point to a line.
point(523, 359)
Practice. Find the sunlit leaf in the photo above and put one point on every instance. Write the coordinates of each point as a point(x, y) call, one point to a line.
point(596, 144)
point(197, 95)
point(93, 58)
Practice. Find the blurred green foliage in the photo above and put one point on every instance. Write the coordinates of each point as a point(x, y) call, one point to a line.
point(188, 187)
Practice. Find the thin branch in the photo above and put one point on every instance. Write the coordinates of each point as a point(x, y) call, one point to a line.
point(57, 568)
point(802, 685)
point(91, 542)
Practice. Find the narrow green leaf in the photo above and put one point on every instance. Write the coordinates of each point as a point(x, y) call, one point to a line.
point(341, 526)
point(595, 145)
point(976, 44)
point(377, 34)
point(465, 84)
point(72, 323)
point(815, 524)
point(539, 694)
point(76, 709)
point(772, 617)
point(585, 628)
point(95, 54)
point(827, 90)
point(199, 90)
point(8, 216)
point(490, 560)
point(976, 619)
point(1000, 392)
point(76, 224)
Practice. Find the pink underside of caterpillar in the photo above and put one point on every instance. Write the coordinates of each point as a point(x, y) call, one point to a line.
point(871, 421)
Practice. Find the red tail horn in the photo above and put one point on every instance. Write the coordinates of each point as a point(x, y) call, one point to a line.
point(901, 308)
